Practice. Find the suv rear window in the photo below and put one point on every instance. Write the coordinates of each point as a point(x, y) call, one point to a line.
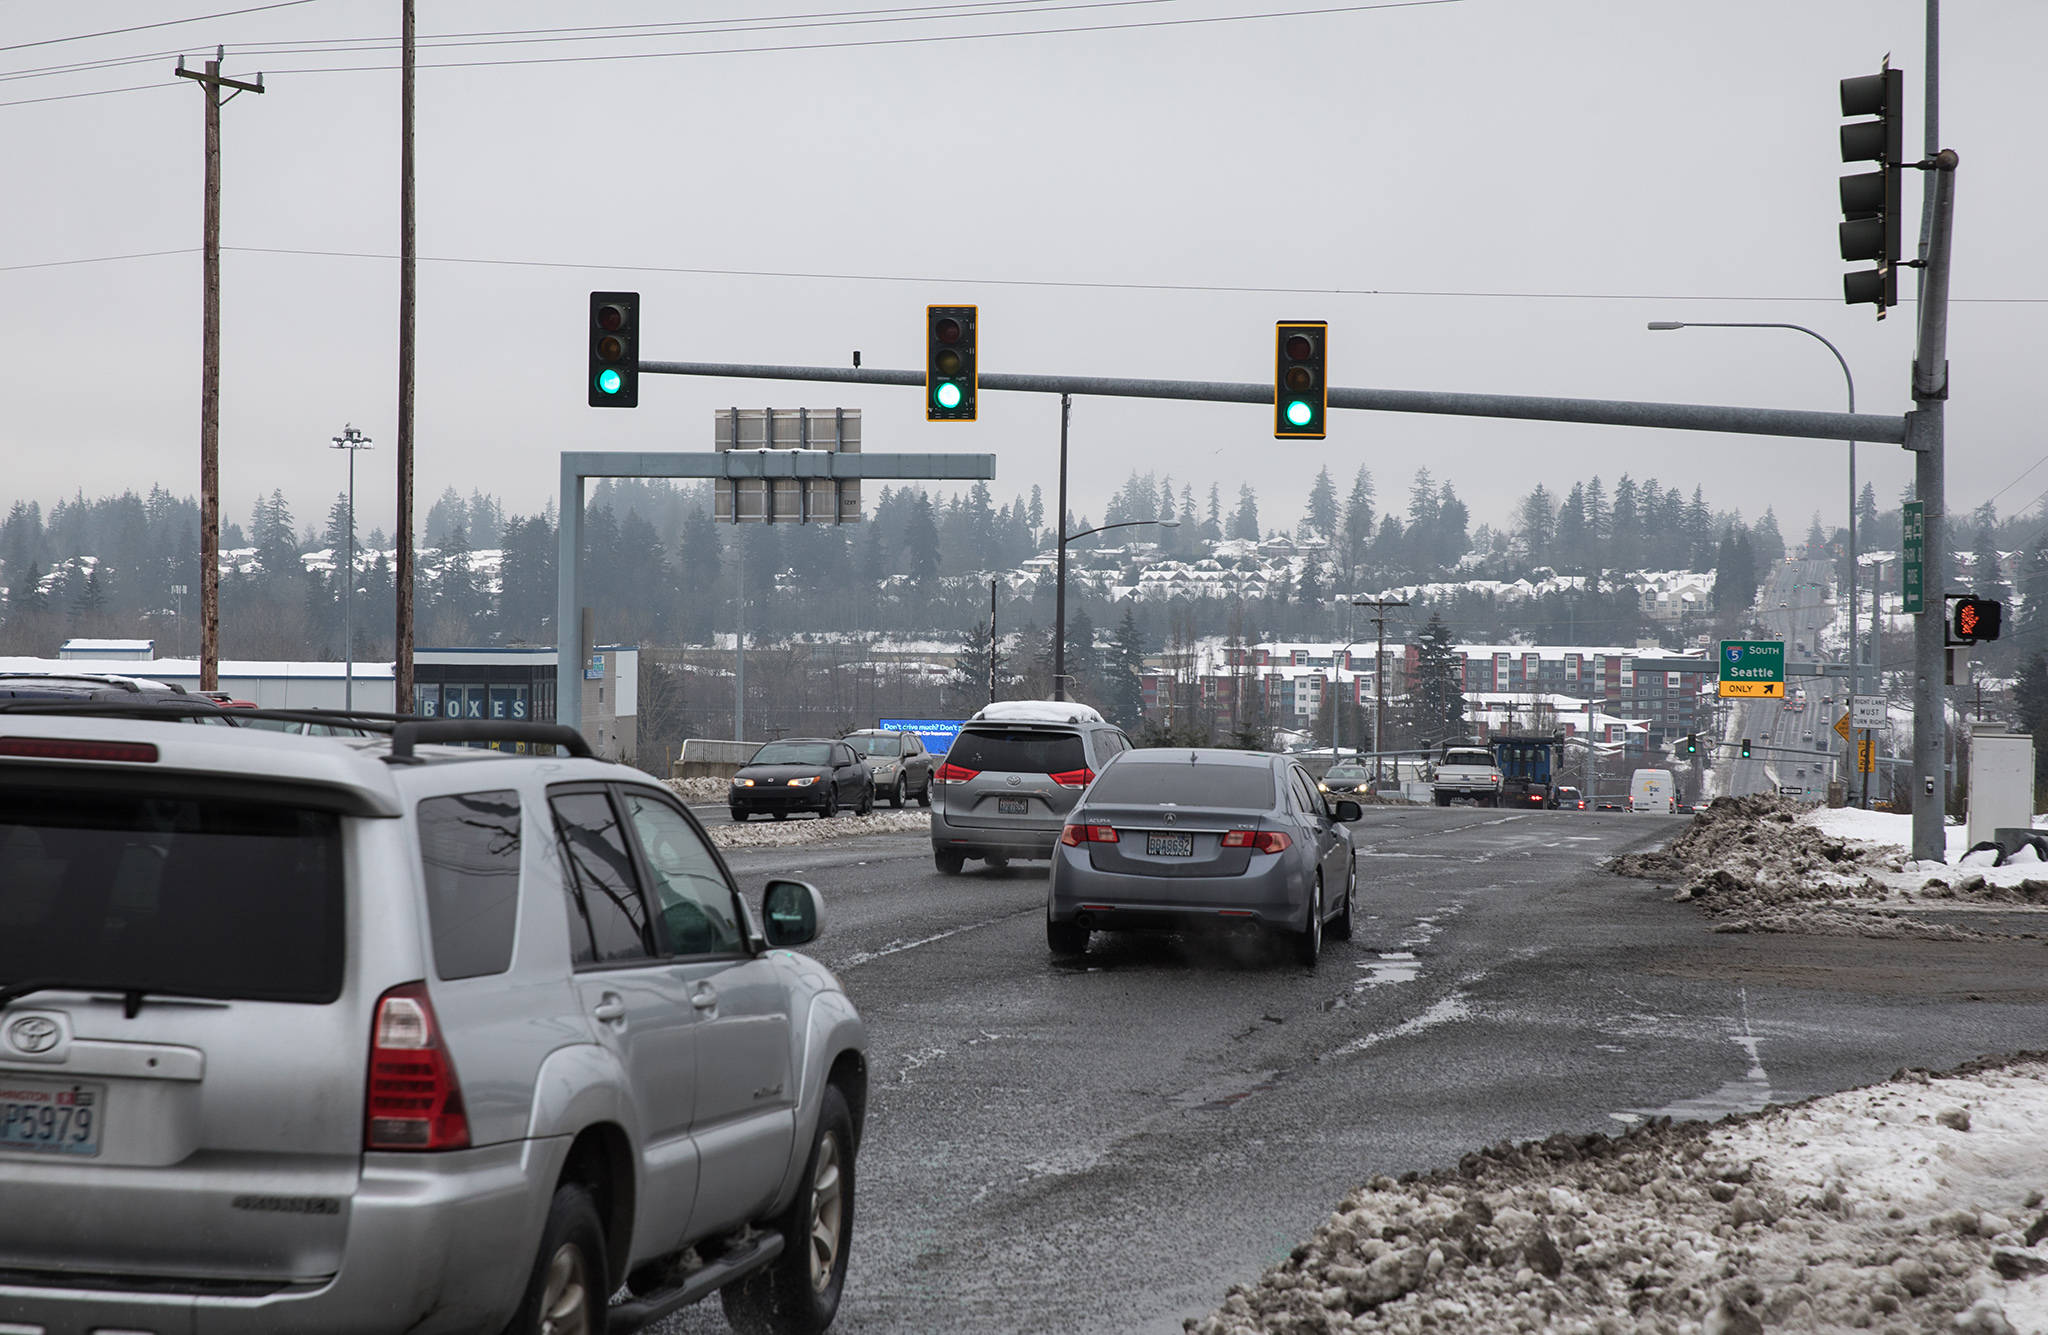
point(192, 894)
point(1468, 758)
point(1017, 751)
point(1247, 787)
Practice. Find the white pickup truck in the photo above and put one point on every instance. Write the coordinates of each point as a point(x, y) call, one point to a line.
point(1466, 773)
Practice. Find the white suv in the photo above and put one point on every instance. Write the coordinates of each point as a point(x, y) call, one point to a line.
point(364, 1034)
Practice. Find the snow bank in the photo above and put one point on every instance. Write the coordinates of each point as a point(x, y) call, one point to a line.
point(1763, 863)
point(1914, 1205)
point(760, 833)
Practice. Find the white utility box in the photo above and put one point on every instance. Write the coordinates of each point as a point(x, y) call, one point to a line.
point(2001, 782)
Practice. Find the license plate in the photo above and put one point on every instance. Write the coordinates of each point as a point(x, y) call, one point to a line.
point(51, 1116)
point(1011, 806)
point(1170, 845)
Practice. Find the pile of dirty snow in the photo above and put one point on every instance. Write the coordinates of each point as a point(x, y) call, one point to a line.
point(1763, 863)
point(700, 790)
point(1906, 1207)
point(760, 833)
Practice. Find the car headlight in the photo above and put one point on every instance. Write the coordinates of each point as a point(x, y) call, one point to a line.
point(1324, 786)
point(804, 782)
point(743, 783)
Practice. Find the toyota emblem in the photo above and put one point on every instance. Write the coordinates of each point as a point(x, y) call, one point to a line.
point(1014, 780)
point(33, 1033)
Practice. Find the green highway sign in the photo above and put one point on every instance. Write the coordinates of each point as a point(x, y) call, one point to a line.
point(1752, 669)
point(1912, 577)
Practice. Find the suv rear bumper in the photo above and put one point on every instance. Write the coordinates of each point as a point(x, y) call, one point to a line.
point(436, 1243)
point(977, 841)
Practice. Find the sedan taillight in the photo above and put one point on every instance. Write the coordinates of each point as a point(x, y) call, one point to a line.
point(1073, 836)
point(950, 773)
point(1259, 841)
point(1073, 778)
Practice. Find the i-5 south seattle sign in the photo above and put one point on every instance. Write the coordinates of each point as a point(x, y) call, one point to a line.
point(1753, 669)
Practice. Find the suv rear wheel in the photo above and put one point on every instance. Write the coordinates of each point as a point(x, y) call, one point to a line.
point(1066, 939)
point(798, 1292)
point(567, 1292)
point(949, 863)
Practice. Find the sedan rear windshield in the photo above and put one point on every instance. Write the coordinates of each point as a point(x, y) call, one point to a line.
point(793, 753)
point(1238, 787)
point(1017, 751)
point(187, 894)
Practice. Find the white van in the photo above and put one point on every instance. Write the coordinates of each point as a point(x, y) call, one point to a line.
point(1652, 790)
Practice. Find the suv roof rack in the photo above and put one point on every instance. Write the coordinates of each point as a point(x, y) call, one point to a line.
point(410, 733)
point(103, 680)
point(115, 706)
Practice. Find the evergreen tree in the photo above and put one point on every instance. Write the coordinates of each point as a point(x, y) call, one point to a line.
point(1538, 522)
point(1037, 509)
point(2030, 624)
point(1322, 507)
point(1212, 527)
point(1245, 523)
point(1439, 704)
point(1452, 541)
point(921, 543)
point(1571, 543)
point(1816, 539)
point(2030, 705)
point(1081, 667)
point(1764, 538)
point(1122, 689)
point(1358, 524)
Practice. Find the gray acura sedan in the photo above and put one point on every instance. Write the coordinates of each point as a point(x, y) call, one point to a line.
point(1175, 840)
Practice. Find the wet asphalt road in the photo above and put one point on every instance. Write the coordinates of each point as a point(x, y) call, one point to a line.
point(1107, 1146)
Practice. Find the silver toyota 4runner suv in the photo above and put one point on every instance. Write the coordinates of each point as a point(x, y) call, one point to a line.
point(365, 1034)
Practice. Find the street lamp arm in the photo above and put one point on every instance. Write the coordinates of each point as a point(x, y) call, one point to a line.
point(1129, 523)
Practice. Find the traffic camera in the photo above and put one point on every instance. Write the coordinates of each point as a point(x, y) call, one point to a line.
point(614, 337)
point(1301, 389)
point(950, 378)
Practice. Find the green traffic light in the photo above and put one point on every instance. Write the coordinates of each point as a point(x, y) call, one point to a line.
point(1299, 413)
point(609, 381)
point(947, 395)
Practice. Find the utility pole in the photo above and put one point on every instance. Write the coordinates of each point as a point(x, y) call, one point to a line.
point(1059, 593)
point(408, 257)
point(209, 369)
point(992, 641)
point(1925, 438)
point(1379, 667)
point(351, 440)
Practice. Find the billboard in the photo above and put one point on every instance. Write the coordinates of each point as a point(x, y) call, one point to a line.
point(937, 734)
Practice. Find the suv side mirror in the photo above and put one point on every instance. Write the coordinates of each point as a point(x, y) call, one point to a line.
point(794, 912)
point(1348, 810)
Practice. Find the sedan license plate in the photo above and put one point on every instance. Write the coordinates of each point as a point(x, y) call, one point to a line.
point(1011, 806)
point(1170, 845)
point(51, 1116)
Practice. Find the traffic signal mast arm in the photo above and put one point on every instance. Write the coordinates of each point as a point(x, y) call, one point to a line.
point(1526, 407)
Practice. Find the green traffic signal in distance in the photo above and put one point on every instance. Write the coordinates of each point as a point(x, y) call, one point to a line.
point(1301, 392)
point(949, 369)
point(1745, 748)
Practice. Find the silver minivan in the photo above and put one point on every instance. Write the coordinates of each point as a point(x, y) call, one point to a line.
point(365, 1034)
point(1012, 775)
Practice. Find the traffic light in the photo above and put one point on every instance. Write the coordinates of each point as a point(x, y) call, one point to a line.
point(1973, 619)
point(1870, 201)
point(1692, 743)
point(949, 375)
point(614, 336)
point(1745, 748)
point(1301, 390)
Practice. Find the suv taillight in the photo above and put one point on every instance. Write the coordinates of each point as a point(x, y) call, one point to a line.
point(950, 773)
point(1073, 778)
point(1073, 836)
point(414, 1101)
point(1259, 841)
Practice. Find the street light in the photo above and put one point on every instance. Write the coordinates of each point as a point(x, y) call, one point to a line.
point(1855, 665)
point(1337, 682)
point(351, 440)
point(1059, 599)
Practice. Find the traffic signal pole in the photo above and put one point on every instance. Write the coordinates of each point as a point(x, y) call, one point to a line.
point(1925, 432)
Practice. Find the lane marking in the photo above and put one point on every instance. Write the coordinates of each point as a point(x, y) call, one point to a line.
point(898, 946)
point(1450, 1010)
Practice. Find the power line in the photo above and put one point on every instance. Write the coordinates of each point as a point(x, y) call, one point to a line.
point(887, 41)
point(99, 92)
point(626, 32)
point(816, 276)
point(167, 23)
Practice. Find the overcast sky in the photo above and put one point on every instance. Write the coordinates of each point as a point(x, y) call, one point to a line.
point(1478, 195)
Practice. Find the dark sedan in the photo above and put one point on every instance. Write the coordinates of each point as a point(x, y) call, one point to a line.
point(1180, 839)
point(1346, 779)
point(816, 774)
